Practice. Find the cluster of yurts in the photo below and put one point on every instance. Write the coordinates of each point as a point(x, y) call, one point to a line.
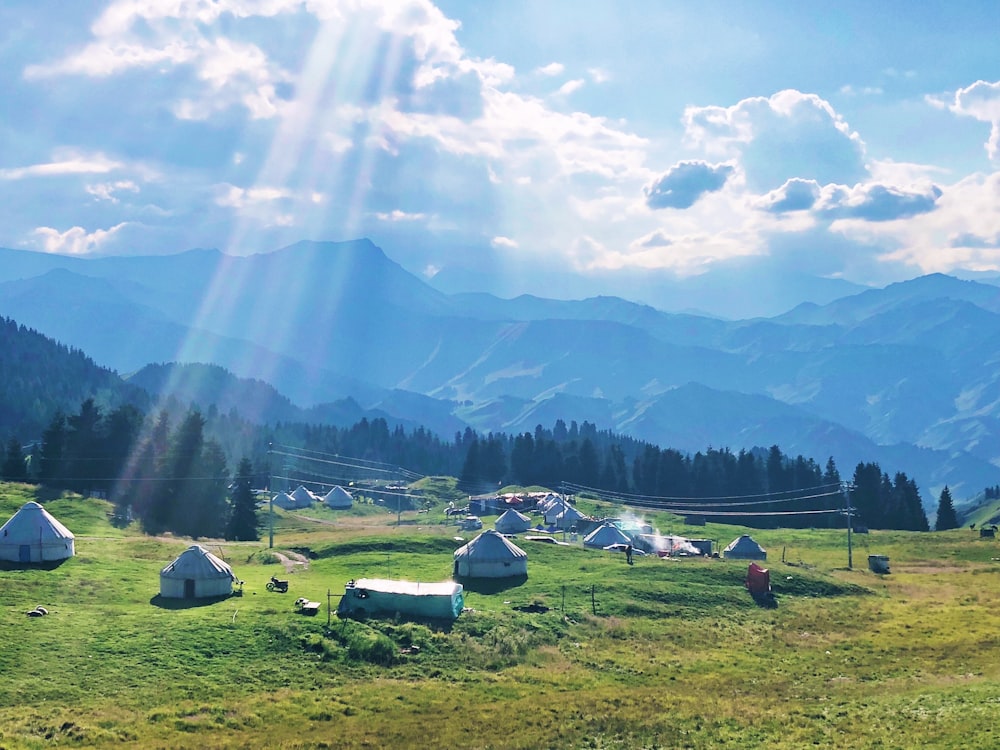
point(33, 535)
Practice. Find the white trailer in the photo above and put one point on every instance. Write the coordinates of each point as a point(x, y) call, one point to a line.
point(375, 596)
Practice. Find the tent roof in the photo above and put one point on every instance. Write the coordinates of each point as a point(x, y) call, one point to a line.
point(744, 543)
point(510, 515)
point(338, 496)
point(571, 512)
point(197, 562)
point(491, 545)
point(32, 523)
point(604, 535)
point(302, 496)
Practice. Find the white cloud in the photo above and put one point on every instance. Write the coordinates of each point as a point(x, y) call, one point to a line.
point(239, 198)
point(67, 164)
point(787, 135)
point(396, 215)
point(599, 75)
point(981, 101)
point(75, 241)
point(504, 242)
point(570, 86)
point(105, 191)
point(552, 69)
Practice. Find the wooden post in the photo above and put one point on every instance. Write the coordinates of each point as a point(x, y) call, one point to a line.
point(593, 600)
point(563, 606)
point(328, 607)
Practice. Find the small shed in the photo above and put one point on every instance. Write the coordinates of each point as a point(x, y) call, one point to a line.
point(196, 574)
point(490, 555)
point(744, 548)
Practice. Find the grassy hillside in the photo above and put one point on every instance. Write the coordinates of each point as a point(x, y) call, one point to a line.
point(588, 652)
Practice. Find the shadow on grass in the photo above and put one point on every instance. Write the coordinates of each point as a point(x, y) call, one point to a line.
point(171, 603)
point(491, 585)
point(47, 565)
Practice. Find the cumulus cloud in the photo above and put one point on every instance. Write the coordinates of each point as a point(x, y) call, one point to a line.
point(500, 241)
point(876, 202)
point(776, 138)
point(794, 195)
point(75, 241)
point(657, 238)
point(686, 182)
point(981, 100)
point(552, 69)
point(970, 240)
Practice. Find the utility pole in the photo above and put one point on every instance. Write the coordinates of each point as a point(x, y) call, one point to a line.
point(270, 504)
point(850, 524)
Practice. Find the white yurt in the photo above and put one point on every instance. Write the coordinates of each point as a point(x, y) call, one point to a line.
point(490, 555)
point(303, 498)
point(284, 500)
point(34, 535)
point(569, 518)
point(552, 512)
point(512, 522)
point(604, 535)
point(338, 498)
point(744, 548)
point(196, 574)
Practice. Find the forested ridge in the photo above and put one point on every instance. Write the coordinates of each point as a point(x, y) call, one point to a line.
point(72, 424)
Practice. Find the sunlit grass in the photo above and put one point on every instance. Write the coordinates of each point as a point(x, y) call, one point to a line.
point(588, 652)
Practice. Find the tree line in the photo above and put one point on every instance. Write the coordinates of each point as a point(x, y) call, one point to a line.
point(170, 470)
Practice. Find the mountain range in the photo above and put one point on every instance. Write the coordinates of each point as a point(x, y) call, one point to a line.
point(905, 375)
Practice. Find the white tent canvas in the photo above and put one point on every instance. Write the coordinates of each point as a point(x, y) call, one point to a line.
point(284, 500)
point(604, 535)
point(490, 555)
point(512, 522)
point(744, 548)
point(568, 518)
point(33, 535)
point(303, 498)
point(338, 498)
point(196, 574)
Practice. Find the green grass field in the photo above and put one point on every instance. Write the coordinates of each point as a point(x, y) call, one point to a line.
point(587, 653)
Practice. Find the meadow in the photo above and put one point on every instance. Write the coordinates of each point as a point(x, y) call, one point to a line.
point(587, 653)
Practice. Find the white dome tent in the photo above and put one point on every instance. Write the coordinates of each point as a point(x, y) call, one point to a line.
point(744, 548)
point(512, 522)
point(569, 518)
point(338, 498)
point(33, 535)
point(490, 555)
point(196, 574)
point(303, 498)
point(604, 535)
point(284, 500)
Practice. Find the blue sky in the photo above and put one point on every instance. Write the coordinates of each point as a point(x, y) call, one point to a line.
point(853, 140)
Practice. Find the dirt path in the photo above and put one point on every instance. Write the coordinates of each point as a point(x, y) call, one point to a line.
point(291, 560)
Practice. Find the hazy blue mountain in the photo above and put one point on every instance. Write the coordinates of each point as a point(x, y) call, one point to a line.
point(910, 369)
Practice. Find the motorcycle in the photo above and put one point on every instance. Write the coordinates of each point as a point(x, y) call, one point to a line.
point(277, 585)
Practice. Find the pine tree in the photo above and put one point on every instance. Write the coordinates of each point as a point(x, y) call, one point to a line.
point(14, 469)
point(946, 517)
point(242, 524)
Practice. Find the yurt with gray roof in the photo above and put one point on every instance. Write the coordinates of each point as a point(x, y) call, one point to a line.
point(197, 574)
